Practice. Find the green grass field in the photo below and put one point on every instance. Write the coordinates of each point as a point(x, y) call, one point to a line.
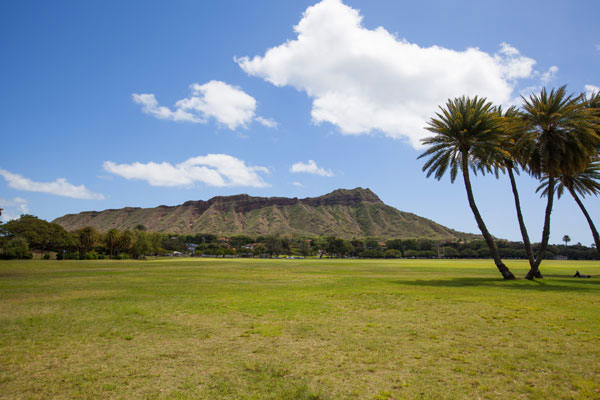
point(297, 329)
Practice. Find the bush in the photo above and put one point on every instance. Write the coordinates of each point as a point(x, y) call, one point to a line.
point(427, 254)
point(372, 253)
point(60, 255)
point(46, 256)
point(411, 253)
point(468, 253)
point(392, 253)
point(72, 256)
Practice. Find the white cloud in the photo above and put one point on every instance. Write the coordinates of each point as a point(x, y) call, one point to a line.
point(310, 168)
point(14, 208)
point(213, 170)
point(591, 89)
point(268, 122)
point(297, 184)
point(228, 105)
point(598, 47)
point(364, 80)
point(549, 75)
point(59, 187)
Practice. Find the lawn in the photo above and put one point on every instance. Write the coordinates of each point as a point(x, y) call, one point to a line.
point(297, 329)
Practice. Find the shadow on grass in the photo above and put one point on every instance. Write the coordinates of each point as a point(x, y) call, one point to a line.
point(559, 283)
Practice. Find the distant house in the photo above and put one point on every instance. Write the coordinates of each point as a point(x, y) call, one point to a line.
point(191, 246)
point(177, 254)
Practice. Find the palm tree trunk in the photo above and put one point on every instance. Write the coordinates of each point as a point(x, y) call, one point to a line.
point(522, 226)
point(534, 272)
point(589, 219)
point(506, 274)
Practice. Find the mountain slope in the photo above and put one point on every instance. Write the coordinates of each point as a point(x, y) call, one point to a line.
point(343, 213)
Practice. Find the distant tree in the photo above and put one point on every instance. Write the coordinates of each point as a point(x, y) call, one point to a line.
point(111, 240)
point(16, 247)
point(140, 227)
point(259, 250)
point(273, 245)
point(358, 246)
point(305, 248)
point(450, 252)
point(371, 244)
point(141, 244)
point(39, 234)
point(566, 239)
point(87, 237)
point(126, 241)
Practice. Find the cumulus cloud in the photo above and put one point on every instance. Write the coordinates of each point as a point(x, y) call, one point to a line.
point(13, 208)
point(59, 187)
point(218, 170)
point(364, 80)
point(549, 75)
point(591, 89)
point(310, 168)
point(228, 105)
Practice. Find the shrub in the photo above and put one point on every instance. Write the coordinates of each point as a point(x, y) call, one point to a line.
point(392, 253)
point(411, 253)
point(46, 256)
point(427, 254)
point(372, 253)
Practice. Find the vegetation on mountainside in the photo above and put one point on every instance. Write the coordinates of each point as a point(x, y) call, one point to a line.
point(342, 213)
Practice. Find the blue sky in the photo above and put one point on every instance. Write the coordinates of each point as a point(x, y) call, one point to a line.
point(113, 104)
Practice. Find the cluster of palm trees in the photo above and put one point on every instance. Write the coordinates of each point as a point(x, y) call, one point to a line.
point(554, 137)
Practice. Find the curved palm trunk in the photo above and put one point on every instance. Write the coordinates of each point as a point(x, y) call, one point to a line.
point(589, 219)
point(534, 272)
point(506, 274)
point(522, 226)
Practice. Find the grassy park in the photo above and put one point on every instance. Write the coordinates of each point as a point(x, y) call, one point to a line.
point(297, 329)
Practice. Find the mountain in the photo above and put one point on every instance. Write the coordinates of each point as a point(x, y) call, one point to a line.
point(343, 213)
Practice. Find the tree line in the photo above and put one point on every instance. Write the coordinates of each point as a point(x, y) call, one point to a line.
point(18, 238)
point(554, 137)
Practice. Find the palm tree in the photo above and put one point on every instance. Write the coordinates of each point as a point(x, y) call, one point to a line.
point(566, 239)
point(466, 136)
point(560, 140)
point(112, 239)
point(587, 182)
point(87, 239)
point(509, 161)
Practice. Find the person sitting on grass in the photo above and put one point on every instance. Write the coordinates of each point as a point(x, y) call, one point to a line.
point(578, 275)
